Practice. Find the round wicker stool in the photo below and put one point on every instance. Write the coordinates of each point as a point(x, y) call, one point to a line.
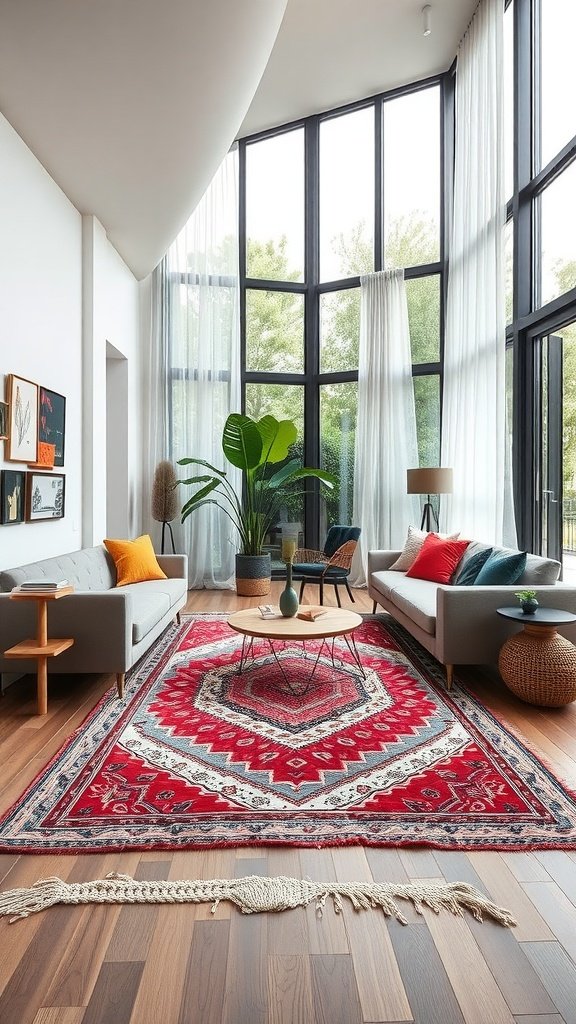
point(538, 664)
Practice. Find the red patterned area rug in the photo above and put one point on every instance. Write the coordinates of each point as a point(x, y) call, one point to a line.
point(201, 755)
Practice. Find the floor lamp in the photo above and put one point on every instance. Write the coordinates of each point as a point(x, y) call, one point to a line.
point(435, 480)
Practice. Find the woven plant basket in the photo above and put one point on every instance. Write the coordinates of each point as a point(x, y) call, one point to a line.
point(253, 573)
point(539, 666)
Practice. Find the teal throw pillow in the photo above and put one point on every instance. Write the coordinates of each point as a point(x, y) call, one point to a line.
point(469, 571)
point(501, 570)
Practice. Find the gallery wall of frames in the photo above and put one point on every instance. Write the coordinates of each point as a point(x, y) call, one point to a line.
point(33, 430)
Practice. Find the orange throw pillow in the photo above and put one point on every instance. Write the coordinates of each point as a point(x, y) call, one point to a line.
point(437, 559)
point(135, 560)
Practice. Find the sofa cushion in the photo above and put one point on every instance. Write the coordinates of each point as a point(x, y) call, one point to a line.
point(88, 569)
point(471, 564)
point(540, 571)
point(501, 569)
point(412, 546)
point(417, 599)
point(135, 560)
point(437, 559)
point(148, 607)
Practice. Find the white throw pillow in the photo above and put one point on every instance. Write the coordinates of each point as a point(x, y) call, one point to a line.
point(414, 542)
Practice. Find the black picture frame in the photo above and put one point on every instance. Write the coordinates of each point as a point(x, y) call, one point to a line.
point(52, 421)
point(45, 493)
point(12, 496)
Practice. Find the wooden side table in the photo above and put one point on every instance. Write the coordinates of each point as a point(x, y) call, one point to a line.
point(538, 664)
point(41, 648)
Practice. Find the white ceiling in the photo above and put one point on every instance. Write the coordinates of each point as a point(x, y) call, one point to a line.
point(131, 104)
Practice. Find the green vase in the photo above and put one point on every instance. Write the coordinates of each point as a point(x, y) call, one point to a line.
point(288, 598)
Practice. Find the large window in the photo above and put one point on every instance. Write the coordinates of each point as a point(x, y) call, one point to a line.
point(542, 270)
point(353, 191)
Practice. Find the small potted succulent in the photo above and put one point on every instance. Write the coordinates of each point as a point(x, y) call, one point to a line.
point(528, 602)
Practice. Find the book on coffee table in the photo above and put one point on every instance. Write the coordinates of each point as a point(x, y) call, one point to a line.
point(43, 585)
point(311, 614)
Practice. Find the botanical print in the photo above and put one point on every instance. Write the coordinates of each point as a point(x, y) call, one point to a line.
point(51, 422)
point(44, 496)
point(12, 497)
point(23, 442)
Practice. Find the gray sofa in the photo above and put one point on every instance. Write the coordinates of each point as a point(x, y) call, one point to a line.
point(112, 627)
point(458, 625)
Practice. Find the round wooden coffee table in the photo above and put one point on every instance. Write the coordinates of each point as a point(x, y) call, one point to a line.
point(332, 623)
point(538, 664)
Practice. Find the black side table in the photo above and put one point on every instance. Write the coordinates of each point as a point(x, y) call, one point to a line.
point(538, 664)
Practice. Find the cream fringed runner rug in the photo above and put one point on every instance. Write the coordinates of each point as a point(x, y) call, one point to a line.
point(253, 895)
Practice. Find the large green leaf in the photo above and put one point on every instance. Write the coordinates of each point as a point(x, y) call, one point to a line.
point(200, 462)
point(277, 438)
point(242, 442)
point(289, 475)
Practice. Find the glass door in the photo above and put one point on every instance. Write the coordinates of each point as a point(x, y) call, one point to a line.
point(556, 490)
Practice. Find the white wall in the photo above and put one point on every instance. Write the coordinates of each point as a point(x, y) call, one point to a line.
point(40, 325)
point(64, 294)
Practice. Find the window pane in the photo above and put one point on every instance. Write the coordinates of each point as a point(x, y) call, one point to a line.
point(274, 332)
point(284, 402)
point(509, 101)
point(423, 295)
point(427, 401)
point(275, 208)
point(338, 410)
point(558, 235)
point(339, 330)
point(412, 179)
point(558, 117)
point(509, 268)
point(347, 195)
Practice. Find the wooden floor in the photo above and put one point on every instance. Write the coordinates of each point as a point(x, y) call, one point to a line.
point(181, 965)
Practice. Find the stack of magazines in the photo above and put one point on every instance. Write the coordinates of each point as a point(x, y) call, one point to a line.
point(43, 585)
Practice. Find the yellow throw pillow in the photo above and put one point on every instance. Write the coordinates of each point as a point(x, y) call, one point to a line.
point(135, 560)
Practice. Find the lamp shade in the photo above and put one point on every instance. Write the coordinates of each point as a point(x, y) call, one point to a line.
point(434, 480)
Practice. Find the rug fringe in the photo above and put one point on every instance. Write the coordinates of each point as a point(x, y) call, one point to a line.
point(253, 895)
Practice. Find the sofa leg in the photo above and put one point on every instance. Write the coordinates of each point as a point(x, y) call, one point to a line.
point(374, 607)
point(177, 618)
point(449, 676)
point(120, 677)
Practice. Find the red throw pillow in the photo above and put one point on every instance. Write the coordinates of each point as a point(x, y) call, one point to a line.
point(437, 559)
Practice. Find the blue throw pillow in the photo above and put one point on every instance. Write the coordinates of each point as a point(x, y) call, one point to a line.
point(469, 571)
point(501, 570)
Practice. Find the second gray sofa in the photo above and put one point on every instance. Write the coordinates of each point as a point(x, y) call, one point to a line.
point(112, 627)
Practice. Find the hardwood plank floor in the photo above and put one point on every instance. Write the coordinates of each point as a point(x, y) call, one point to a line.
point(183, 965)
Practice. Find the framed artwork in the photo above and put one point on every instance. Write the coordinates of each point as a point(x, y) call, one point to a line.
point(44, 496)
point(22, 420)
point(3, 421)
point(52, 423)
point(12, 489)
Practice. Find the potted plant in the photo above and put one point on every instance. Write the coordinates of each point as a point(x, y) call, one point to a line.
point(528, 602)
point(253, 447)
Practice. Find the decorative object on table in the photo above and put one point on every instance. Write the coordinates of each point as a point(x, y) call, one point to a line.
point(288, 602)
point(4, 412)
point(311, 613)
point(528, 601)
point(12, 494)
point(211, 759)
point(164, 500)
point(52, 422)
point(429, 481)
point(22, 420)
point(538, 664)
point(44, 496)
point(331, 565)
point(254, 894)
point(253, 447)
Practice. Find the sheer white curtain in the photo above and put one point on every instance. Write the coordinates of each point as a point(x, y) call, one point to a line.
point(474, 435)
point(195, 372)
point(386, 443)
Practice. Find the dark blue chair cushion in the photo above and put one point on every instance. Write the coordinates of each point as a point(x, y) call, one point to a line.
point(315, 570)
point(466, 574)
point(337, 536)
point(501, 570)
